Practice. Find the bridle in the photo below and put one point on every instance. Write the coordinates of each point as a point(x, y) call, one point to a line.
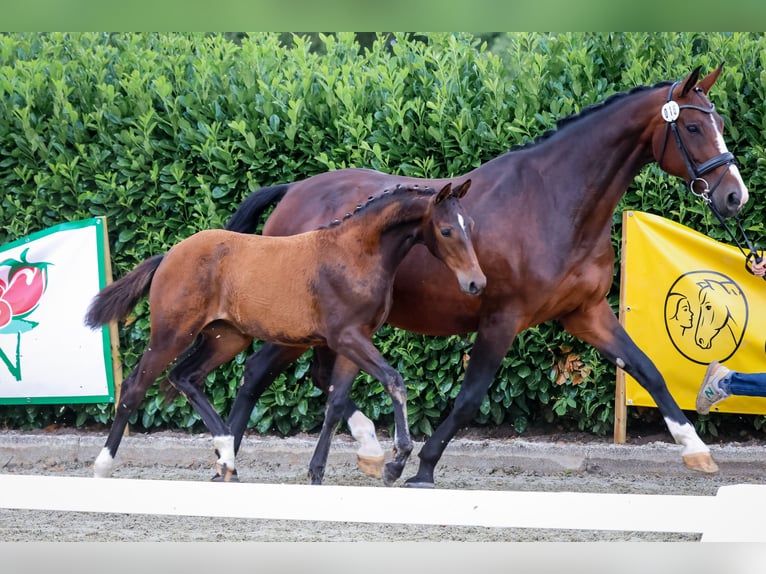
point(670, 113)
point(671, 110)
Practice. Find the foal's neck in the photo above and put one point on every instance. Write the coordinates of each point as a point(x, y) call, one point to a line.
point(388, 230)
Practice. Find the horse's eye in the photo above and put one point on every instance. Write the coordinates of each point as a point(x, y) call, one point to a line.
point(693, 128)
point(446, 232)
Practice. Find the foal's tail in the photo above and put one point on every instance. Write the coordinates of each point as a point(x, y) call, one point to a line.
point(248, 214)
point(117, 299)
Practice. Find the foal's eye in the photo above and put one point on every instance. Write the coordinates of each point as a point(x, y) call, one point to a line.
point(446, 232)
point(693, 128)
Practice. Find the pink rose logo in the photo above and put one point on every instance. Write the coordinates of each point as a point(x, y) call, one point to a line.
point(22, 285)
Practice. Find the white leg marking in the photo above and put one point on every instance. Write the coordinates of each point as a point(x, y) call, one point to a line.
point(102, 468)
point(363, 431)
point(686, 436)
point(225, 447)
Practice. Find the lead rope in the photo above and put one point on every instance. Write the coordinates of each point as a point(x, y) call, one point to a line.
point(754, 253)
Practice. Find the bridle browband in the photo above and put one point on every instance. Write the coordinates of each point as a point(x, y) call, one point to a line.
point(671, 110)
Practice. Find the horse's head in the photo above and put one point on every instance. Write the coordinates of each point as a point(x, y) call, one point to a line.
point(447, 234)
point(688, 142)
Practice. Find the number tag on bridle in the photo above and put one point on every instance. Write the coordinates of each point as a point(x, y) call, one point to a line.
point(670, 111)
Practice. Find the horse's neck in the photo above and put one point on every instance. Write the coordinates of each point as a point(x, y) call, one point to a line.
point(603, 151)
point(589, 164)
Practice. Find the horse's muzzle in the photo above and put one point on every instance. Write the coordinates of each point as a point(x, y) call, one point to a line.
point(475, 286)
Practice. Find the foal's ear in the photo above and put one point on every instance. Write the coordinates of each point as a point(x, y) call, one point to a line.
point(707, 82)
point(443, 194)
point(691, 80)
point(461, 190)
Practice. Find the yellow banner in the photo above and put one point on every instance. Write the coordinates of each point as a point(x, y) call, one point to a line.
point(687, 300)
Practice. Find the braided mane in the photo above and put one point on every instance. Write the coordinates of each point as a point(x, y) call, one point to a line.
point(381, 200)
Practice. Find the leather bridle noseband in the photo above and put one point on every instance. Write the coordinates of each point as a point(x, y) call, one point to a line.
point(670, 112)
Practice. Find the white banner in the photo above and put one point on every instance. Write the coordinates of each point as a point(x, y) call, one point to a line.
point(47, 354)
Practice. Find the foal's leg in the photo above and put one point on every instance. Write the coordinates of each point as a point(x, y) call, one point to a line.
point(218, 344)
point(361, 351)
point(343, 376)
point(261, 369)
point(267, 363)
point(599, 327)
point(151, 365)
point(369, 456)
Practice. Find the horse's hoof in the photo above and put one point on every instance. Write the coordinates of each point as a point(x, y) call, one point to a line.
point(390, 476)
point(701, 461)
point(225, 474)
point(416, 484)
point(371, 465)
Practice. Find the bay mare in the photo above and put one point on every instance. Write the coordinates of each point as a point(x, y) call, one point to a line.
point(215, 292)
point(543, 218)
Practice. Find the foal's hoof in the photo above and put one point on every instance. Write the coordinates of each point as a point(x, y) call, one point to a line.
point(371, 465)
point(414, 484)
point(224, 474)
point(391, 473)
point(701, 461)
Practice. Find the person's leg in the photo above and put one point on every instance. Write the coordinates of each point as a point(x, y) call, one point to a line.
point(745, 384)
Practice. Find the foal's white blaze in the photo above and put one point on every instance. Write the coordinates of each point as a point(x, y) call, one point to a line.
point(225, 447)
point(461, 222)
point(102, 468)
point(686, 436)
point(734, 170)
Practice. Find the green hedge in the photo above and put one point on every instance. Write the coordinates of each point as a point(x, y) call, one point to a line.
point(164, 134)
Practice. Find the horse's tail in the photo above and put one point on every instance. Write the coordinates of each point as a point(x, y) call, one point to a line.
point(248, 214)
point(117, 299)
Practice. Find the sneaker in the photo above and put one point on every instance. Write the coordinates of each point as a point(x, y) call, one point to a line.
point(710, 392)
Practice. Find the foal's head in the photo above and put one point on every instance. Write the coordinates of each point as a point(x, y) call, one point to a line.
point(447, 234)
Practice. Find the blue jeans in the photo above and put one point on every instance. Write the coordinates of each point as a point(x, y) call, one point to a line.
point(746, 384)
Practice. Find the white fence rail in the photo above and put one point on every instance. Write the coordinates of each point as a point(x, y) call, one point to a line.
point(717, 518)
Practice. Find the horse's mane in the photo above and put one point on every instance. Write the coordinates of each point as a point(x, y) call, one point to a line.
point(381, 200)
point(587, 111)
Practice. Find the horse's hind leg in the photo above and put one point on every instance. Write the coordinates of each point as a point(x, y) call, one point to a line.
point(599, 327)
point(261, 369)
point(343, 376)
point(132, 392)
point(369, 456)
point(217, 344)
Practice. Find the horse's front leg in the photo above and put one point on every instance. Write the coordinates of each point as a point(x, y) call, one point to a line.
point(361, 351)
point(343, 374)
point(493, 338)
point(599, 327)
point(369, 456)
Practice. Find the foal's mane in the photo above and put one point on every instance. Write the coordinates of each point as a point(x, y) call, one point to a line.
point(588, 111)
point(379, 201)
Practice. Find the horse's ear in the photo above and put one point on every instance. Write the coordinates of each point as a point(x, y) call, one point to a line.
point(443, 194)
point(707, 82)
point(462, 189)
point(691, 80)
